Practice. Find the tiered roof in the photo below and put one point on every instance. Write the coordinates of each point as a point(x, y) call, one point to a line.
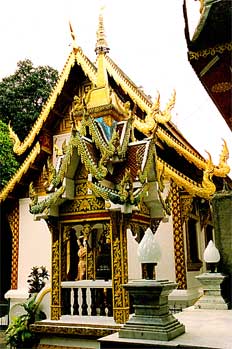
point(118, 133)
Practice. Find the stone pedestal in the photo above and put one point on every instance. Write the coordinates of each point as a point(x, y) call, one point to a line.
point(211, 298)
point(152, 320)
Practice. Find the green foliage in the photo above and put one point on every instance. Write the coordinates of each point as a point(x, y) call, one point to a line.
point(36, 279)
point(23, 94)
point(18, 333)
point(8, 162)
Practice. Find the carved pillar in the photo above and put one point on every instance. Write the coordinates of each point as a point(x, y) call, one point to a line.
point(178, 236)
point(56, 269)
point(13, 219)
point(119, 268)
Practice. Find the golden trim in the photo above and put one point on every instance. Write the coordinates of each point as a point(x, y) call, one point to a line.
point(18, 175)
point(56, 269)
point(221, 171)
point(13, 219)
point(221, 87)
point(142, 101)
point(101, 44)
point(205, 190)
point(88, 67)
point(178, 238)
point(210, 51)
point(127, 85)
point(119, 268)
point(20, 147)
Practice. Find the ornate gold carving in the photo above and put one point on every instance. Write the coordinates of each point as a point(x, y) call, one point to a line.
point(55, 274)
point(212, 51)
point(207, 188)
point(101, 44)
point(18, 175)
point(178, 236)
point(86, 204)
point(43, 206)
point(48, 173)
point(186, 206)
point(56, 328)
point(155, 115)
point(223, 167)
point(119, 271)
point(144, 103)
point(65, 252)
point(81, 188)
point(221, 87)
point(13, 219)
point(90, 265)
point(221, 171)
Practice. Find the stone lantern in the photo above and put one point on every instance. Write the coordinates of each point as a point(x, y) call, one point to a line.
point(151, 319)
point(211, 282)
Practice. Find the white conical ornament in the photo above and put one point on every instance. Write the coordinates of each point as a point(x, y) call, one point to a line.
point(211, 253)
point(148, 249)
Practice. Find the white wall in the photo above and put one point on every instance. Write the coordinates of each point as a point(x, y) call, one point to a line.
point(34, 244)
point(166, 267)
point(134, 266)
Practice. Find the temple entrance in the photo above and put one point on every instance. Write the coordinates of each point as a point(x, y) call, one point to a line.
point(86, 251)
point(86, 269)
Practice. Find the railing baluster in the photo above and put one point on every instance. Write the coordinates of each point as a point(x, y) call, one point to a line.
point(80, 300)
point(72, 301)
point(88, 297)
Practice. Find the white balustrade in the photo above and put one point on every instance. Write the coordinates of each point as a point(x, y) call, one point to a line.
point(87, 297)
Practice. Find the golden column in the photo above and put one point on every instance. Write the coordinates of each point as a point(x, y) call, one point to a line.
point(119, 267)
point(13, 219)
point(56, 269)
point(178, 236)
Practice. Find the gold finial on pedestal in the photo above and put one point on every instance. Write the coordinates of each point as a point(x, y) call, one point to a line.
point(74, 43)
point(101, 44)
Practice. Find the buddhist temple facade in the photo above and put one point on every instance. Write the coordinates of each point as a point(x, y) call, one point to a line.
point(102, 164)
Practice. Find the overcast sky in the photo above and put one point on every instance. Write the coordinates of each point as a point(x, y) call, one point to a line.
point(146, 39)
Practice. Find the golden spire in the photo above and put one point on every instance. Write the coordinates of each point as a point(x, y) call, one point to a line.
point(101, 44)
point(74, 43)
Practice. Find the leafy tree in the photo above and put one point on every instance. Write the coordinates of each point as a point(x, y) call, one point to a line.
point(8, 162)
point(23, 94)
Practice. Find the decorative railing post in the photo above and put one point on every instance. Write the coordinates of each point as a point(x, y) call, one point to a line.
point(178, 236)
point(13, 219)
point(119, 268)
point(55, 272)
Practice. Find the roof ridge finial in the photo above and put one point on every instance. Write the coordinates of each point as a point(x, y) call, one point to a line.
point(74, 42)
point(101, 44)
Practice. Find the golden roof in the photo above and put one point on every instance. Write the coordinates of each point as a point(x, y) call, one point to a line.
point(98, 76)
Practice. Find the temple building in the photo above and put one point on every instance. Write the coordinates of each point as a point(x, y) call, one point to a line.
point(209, 53)
point(102, 163)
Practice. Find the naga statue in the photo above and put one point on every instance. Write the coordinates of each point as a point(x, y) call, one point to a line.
point(155, 116)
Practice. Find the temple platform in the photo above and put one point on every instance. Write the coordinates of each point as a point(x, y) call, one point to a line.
point(205, 329)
